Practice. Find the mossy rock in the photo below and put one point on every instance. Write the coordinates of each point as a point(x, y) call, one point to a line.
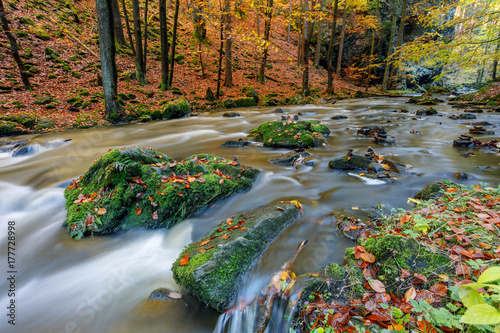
point(135, 188)
point(355, 162)
point(26, 119)
point(338, 283)
point(40, 33)
point(429, 192)
point(11, 128)
point(395, 252)
point(44, 123)
point(251, 92)
point(229, 252)
point(176, 109)
point(18, 105)
point(288, 134)
point(245, 102)
point(52, 76)
point(229, 103)
point(176, 91)
point(76, 75)
point(438, 90)
point(44, 100)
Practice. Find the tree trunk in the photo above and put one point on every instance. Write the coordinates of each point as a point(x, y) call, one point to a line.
point(318, 43)
point(139, 59)
point(200, 29)
point(267, 33)
point(299, 38)
point(219, 70)
point(400, 35)
point(228, 62)
point(125, 14)
point(370, 61)
point(174, 42)
point(13, 48)
point(389, 52)
point(145, 37)
point(257, 17)
point(164, 46)
point(495, 61)
point(305, 53)
point(329, 56)
point(108, 65)
point(342, 35)
point(289, 21)
point(117, 23)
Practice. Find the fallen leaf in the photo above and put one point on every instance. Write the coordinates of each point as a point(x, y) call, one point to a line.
point(420, 276)
point(138, 211)
point(180, 194)
point(410, 294)
point(225, 236)
point(405, 273)
point(185, 260)
point(155, 215)
point(377, 286)
point(368, 257)
point(101, 211)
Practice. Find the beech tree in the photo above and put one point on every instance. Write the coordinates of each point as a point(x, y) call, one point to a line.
point(174, 42)
point(228, 68)
point(329, 56)
point(13, 47)
point(140, 72)
point(108, 65)
point(117, 23)
point(267, 34)
point(164, 46)
point(127, 23)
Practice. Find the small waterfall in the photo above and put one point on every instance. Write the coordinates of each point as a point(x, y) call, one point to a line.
point(248, 320)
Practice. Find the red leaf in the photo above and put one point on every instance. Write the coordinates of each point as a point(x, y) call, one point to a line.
point(180, 194)
point(138, 211)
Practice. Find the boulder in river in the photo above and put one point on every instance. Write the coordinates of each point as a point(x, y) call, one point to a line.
point(236, 143)
point(293, 158)
point(466, 140)
point(137, 187)
point(424, 100)
point(481, 130)
point(427, 112)
point(462, 116)
point(288, 133)
point(370, 162)
point(214, 268)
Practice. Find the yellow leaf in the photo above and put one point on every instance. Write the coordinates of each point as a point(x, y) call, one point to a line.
point(413, 200)
point(355, 208)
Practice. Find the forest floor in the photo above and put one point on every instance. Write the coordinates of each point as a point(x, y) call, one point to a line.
point(58, 42)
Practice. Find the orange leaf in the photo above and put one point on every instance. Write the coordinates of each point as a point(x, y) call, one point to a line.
point(229, 220)
point(155, 215)
point(405, 219)
point(368, 257)
point(180, 194)
point(225, 236)
point(138, 211)
point(150, 199)
point(396, 327)
point(420, 276)
point(243, 228)
point(357, 251)
point(205, 242)
point(221, 181)
point(451, 190)
point(440, 289)
point(405, 273)
point(410, 294)
point(377, 286)
point(478, 188)
point(185, 260)
point(462, 270)
point(101, 211)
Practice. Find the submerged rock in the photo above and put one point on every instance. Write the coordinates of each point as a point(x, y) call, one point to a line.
point(214, 268)
point(231, 115)
point(481, 130)
point(288, 133)
point(337, 117)
point(236, 143)
point(424, 100)
point(370, 162)
point(132, 187)
point(462, 116)
point(293, 158)
point(460, 175)
point(427, 112)
point(466, 140)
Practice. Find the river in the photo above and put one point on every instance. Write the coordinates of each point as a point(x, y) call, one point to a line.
point(101, 284)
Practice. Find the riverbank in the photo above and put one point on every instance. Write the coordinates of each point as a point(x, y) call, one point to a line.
point(406, 270)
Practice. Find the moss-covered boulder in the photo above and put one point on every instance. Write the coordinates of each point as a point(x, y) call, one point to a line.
point(133, 187)
point(251, 92)
point(288, 134)
point(429, 192)
point(10, 128)
point(395, 252)
point(245, 102)
point(354, 162)
point(214, 268)
point(176, 109)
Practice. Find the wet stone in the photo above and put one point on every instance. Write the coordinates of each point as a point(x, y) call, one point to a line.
point(460, 175)
point(481, 130)
point(427, 112)
point(231, 115)
point(279, 110)
point(293, 158)
point(462, 116)
point(337, 117)
point(236, 143)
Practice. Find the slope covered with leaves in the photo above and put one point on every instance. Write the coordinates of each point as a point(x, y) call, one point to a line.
point(58, 41)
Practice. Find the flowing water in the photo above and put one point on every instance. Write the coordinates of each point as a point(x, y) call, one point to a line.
point(101, 284)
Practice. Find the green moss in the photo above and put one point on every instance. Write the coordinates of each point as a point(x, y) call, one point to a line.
point(115, 177)
point(429, 192)
point(251, 92)
point(44, 123)
point(287, 134)
point(396, 252)
point(52, 76)
point(26, 119)
point(245, 102)
point(176, 109)
point(10, 128)
point(356, 162)
point(228, 252)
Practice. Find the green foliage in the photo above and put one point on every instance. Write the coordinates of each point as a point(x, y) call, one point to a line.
point(482, 308)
